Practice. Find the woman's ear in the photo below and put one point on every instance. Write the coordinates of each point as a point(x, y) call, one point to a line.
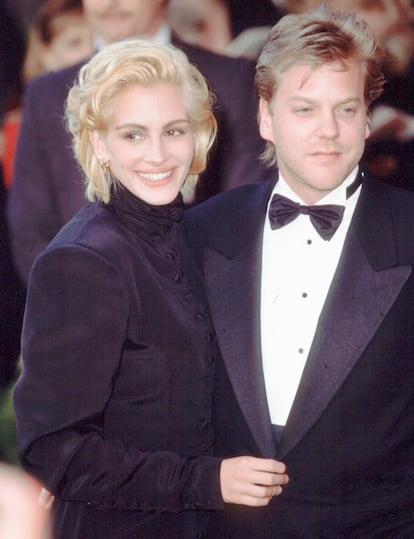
point(265, 120)
point(98, 145)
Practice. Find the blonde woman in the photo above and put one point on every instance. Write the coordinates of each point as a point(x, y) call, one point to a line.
point(115, 400)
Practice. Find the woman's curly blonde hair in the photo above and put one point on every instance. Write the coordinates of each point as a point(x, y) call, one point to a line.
point(134, 62)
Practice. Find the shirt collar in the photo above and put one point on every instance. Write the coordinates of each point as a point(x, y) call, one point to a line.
point(337, 196)
point(162, 36)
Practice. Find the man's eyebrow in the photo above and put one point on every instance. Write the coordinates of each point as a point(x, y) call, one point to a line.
point(304, 99)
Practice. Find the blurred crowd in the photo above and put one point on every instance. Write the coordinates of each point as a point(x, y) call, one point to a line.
point(42, 37)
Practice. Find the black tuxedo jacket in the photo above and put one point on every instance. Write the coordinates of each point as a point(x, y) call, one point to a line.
point(48, 186)
point(349, 440)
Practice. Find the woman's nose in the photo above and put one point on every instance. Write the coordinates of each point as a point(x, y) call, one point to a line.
point(156, 150)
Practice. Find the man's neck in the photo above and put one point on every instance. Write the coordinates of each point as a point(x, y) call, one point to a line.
point(162, 36)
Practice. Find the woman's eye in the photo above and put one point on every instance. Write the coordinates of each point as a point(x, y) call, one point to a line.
point(133, 136)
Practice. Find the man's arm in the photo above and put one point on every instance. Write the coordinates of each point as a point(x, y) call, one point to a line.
point(30, 214)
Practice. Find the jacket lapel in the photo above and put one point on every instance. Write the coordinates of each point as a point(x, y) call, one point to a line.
point(232, 277)
point(367, 281)
point(364, 288)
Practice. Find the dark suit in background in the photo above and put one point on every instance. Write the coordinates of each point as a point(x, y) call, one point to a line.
point(349, 441)
point(48, 185)
point(11, 302)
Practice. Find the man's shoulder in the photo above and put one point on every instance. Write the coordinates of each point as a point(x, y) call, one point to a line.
point(399, 197)
point(384, 218)
point(234, 212)
point(402, 207)
point(229, 201)
point(402, 195)
point(45, 97)
point(54, 82)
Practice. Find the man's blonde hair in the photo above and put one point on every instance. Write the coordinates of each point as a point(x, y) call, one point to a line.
point(314, 38)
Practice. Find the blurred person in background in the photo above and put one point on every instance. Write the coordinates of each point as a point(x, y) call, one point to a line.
point(205, 23)
point(11, 291)
point(21, 516)
point(48, 188)
point(251, 26)
point(58, 37)
point(245, 14)
point(235, 29)
point(23, 12)
point(11, 305)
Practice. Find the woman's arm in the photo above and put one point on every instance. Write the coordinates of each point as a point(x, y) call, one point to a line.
point(75, 326)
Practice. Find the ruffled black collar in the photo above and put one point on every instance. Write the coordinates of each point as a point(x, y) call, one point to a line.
point(141, 217)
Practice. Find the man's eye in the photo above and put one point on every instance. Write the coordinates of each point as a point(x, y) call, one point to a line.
point(304, 110)
point(174, 132)
point(348, 110)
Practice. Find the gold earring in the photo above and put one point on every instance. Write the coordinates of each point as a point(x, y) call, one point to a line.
point(104, 164)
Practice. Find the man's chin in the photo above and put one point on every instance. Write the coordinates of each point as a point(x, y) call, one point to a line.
point(116, 35)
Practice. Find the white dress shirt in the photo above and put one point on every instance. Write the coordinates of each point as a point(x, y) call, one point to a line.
point(297, 271)
point(161, 36)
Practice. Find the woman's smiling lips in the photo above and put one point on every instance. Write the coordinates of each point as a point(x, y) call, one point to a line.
point(155, 176)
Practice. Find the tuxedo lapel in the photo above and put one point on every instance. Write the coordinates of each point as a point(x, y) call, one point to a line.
point(359, 298)
point(232, 277)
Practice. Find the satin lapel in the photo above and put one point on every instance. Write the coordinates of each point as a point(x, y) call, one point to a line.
point(358, 300)
point(233, 285)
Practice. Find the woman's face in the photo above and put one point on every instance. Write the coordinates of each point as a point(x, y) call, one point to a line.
point(149, 143)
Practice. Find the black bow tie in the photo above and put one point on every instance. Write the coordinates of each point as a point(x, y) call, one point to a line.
point(325, 218)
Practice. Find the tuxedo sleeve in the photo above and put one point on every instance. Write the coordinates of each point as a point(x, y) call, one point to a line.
point(75, 326)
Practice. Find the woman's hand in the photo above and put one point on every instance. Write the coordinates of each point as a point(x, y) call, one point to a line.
point(251, 481)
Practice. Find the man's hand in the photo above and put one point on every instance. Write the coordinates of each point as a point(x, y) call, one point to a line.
point(251, 481)
point(45, 499)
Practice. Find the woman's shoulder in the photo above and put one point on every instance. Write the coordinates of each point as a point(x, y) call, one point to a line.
point(90, 250)
point(95, 230)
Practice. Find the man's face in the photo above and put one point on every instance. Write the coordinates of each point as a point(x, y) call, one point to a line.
point(318, 122)
point(114, 20)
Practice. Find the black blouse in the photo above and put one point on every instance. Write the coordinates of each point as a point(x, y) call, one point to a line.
point(114, 407)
